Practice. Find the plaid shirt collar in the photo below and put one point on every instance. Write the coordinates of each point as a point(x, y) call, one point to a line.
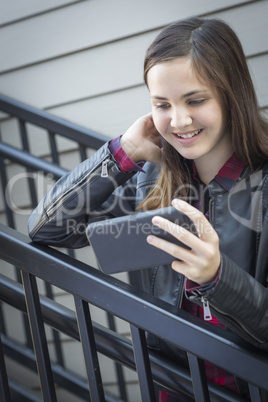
point(228, 174)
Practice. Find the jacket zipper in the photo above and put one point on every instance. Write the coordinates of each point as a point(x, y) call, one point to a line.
point(104, 168)
point(51, 209)
point(207, 312)
point(89, 176)
point(182, 292)
point(238, 323)
point(210, 211)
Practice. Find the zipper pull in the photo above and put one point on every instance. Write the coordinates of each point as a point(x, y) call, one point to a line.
point(104, 169)
point(207, 312)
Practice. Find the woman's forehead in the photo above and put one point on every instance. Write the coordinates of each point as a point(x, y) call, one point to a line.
point(175, 73)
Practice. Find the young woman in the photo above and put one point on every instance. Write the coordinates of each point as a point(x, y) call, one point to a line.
point(204, 149)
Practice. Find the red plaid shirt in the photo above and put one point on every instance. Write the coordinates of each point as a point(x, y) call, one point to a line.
point(226, 177)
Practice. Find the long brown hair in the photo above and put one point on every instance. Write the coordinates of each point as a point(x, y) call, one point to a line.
point(217, 59)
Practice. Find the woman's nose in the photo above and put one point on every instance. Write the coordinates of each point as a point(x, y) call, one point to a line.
point(181, 118)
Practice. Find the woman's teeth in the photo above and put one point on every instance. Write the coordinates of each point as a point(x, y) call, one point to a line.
point(190, 135)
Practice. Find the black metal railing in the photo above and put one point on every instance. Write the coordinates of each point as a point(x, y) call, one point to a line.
point(54, 127)
point(92, 287)
point(200, 340)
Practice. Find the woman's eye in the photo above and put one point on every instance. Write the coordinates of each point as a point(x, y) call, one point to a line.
point(163, 106)
point(196, 102)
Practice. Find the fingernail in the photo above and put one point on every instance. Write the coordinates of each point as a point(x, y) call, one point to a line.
point(156, 220)
point(150, 239)
point(176, 201)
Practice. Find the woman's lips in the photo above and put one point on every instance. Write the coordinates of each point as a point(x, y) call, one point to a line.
point(188, 137)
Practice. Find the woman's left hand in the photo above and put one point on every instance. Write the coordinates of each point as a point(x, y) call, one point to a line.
point(199, 264)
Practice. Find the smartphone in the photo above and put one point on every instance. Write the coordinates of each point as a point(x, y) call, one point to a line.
point(120, 243)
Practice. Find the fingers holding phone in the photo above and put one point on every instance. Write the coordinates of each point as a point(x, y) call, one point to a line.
point(201, 260)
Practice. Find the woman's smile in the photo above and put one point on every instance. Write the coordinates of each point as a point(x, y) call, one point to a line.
point(187, 137)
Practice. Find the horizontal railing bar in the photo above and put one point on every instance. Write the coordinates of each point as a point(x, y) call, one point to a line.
point(23, 394)
point(108, 343)
point(111, 294)
point(69, 380)
point(52, 123)
point(30, 161)
point(64, 378)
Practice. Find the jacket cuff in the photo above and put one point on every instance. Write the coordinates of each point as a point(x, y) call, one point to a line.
point(125, 163)
point(191, 286)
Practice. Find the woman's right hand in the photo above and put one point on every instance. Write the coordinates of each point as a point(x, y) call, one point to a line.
point(142, 142)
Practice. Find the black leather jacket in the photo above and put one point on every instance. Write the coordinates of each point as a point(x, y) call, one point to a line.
point(240, 297)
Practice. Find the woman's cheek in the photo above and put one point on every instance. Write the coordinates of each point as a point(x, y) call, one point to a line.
point(161, 124)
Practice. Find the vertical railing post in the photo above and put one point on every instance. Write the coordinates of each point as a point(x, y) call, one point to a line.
point(118, 367)
point(89, 350)
point(55, 334)
point(4, 182)
point(25, 145)
point(53, 147)
point(257, 395)
point(39, 337)
point(199, 379)
point(4, 387)
point(143, 364)
point(83, 153)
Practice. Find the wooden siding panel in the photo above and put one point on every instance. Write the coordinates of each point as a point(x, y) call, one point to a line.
point(259, 72)
point(110, 114)
point(17, 9)
point(82, 75)
point(88, 74)
point(250, 24)
point(91, 23)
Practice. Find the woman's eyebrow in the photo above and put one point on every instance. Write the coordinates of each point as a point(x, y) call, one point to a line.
point(158, 97)
point(195, 92)
point(191, 93)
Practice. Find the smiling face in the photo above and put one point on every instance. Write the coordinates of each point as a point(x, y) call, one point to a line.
point(189, 114)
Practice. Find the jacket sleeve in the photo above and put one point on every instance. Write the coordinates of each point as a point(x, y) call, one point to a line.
point(90, 192)
point(239, 300)
point(241, 303)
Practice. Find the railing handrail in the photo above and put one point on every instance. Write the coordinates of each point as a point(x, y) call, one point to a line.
point(108, 342)
point(135, 306)
point(83, 136)
point(30, 161)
